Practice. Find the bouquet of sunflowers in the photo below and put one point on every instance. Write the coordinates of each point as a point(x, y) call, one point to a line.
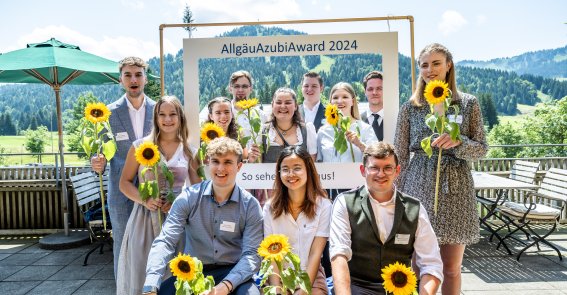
point(275, 249)
point(147, 154)
point(189, 272)
point(437, 92)
point(399, 279)
point(97, 138)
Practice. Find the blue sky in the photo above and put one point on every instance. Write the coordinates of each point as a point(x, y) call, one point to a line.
point(478, 30)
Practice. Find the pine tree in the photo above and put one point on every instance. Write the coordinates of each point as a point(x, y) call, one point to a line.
point(188, 19)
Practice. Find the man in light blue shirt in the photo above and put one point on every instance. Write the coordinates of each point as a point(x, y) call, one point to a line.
point(222, 225)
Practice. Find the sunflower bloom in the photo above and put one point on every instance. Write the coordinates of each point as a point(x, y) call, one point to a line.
point(247, 103)
point(97, 112)
point(332, 114)
point(147, 154)
point(399, 279)
point(183, 267)
point(274, 247)
point(210, 131)
point(436, 91)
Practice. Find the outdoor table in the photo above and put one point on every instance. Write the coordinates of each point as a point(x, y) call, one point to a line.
point(485, 181)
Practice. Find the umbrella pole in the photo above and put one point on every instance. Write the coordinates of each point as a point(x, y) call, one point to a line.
point(62, 167)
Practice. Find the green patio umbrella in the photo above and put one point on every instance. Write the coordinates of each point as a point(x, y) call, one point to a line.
point(56, 63)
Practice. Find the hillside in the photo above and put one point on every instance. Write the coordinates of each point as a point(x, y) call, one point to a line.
point(550, 63)
point(22, 106)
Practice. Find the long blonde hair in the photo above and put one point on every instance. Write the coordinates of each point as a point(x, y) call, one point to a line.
point(182, 131)
point(417, 99)
point(348, 88)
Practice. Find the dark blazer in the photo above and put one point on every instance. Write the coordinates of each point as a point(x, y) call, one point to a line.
point(319, 117)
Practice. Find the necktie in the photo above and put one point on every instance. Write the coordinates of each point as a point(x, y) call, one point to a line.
point(378, 128)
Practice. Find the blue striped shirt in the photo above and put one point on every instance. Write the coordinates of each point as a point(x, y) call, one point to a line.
point(217, 234)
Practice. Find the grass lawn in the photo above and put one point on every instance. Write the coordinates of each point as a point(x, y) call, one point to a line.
point(517, 120)
point(16, 145)
point(325, 65)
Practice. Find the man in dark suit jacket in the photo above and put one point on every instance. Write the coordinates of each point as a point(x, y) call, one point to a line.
point(130, 119)
point(312, 110)
point(374, 116)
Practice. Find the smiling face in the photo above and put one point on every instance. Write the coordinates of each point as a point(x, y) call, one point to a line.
point(433, 66)
point(311, 89)
point(293, 173)
point(223, 169)
point(221, 114)
point(376, 173)
point(344, 101)
point(133, 80)
point(168, 118)
point(374, 93)
point(283, 107)
point(240, 89)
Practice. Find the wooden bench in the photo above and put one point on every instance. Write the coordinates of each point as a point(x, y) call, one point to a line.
point(86, 187)
point(543, 206)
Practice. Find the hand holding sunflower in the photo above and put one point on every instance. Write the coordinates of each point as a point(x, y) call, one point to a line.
point(94, 141)
point(341, 125)
point(438, 97)
point(189, 273)
point(209, 131)
point(253, 117)
point(276, 249)
point(399, 279)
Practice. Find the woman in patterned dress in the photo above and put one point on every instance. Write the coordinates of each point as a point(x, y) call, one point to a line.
point(456, 223)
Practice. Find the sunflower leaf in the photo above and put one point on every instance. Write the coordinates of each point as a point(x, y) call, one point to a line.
point(304, 282)
point(109, 149)
point(430, 121)
point(266, 263)
point(439, 122)
point(454, 131)
point(270, 290)
point(293, 259)
point(426, 146)
point(288, 278)
point(167, 173)
point(86, 142)
point(201, 172)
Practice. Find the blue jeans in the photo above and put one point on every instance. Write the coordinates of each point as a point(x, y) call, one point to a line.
point(119, 218)
point(248, 287)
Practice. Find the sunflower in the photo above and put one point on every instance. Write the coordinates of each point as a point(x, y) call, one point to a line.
point(247, 103)
point(399, 279)
point(332, 114)
point(274, 247)
point(97, 112)
point(183, 267)
point(436, 91)
point(210, 131)
point(147, 154)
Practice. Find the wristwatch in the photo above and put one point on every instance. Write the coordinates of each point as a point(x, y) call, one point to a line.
point(149, 289)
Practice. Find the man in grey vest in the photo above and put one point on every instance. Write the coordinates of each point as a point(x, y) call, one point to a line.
point(130, 119)
point(374, 226)
point(373, 90)
point(312, 110)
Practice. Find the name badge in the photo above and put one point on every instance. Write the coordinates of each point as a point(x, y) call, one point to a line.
point(457, 119)
point(227, 226)
point(121, 136)
point(402, 239)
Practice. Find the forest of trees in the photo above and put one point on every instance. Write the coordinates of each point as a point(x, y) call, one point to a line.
point(32, 105)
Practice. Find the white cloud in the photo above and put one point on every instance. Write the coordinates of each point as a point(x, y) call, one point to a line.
point(135, 4)
point(111, 47)
point(481, 19)
point(451, 22)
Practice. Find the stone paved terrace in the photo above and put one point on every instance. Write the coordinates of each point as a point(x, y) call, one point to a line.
point(27, 269)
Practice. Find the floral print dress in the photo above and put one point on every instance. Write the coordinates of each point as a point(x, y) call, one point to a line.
point(456, 221)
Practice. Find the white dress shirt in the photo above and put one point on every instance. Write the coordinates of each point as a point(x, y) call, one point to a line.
point(310, 114)
point(309, 132)
point(300, 232)
point(426, 247)
point(137, 117)
point(326, 139)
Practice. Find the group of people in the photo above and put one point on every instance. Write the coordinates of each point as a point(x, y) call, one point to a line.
point(388, 219)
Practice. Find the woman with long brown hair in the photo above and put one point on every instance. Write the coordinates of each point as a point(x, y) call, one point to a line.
point(299, 208)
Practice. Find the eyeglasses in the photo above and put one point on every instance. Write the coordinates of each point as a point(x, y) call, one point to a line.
point(295, 171)
point(388, 170)
point(243, 87)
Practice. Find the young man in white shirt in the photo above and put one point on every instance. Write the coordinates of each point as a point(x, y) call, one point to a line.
point(373, 90)
point(390, 227)
point(312, 110)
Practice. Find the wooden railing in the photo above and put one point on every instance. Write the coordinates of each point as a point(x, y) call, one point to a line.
point(30, 197)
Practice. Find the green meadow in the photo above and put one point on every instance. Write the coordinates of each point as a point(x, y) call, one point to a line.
point(16, 145)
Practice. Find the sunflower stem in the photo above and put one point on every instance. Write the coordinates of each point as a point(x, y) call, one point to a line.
point(158, 195)
point(436, 200)
point(100, 180)
point(351, 151)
